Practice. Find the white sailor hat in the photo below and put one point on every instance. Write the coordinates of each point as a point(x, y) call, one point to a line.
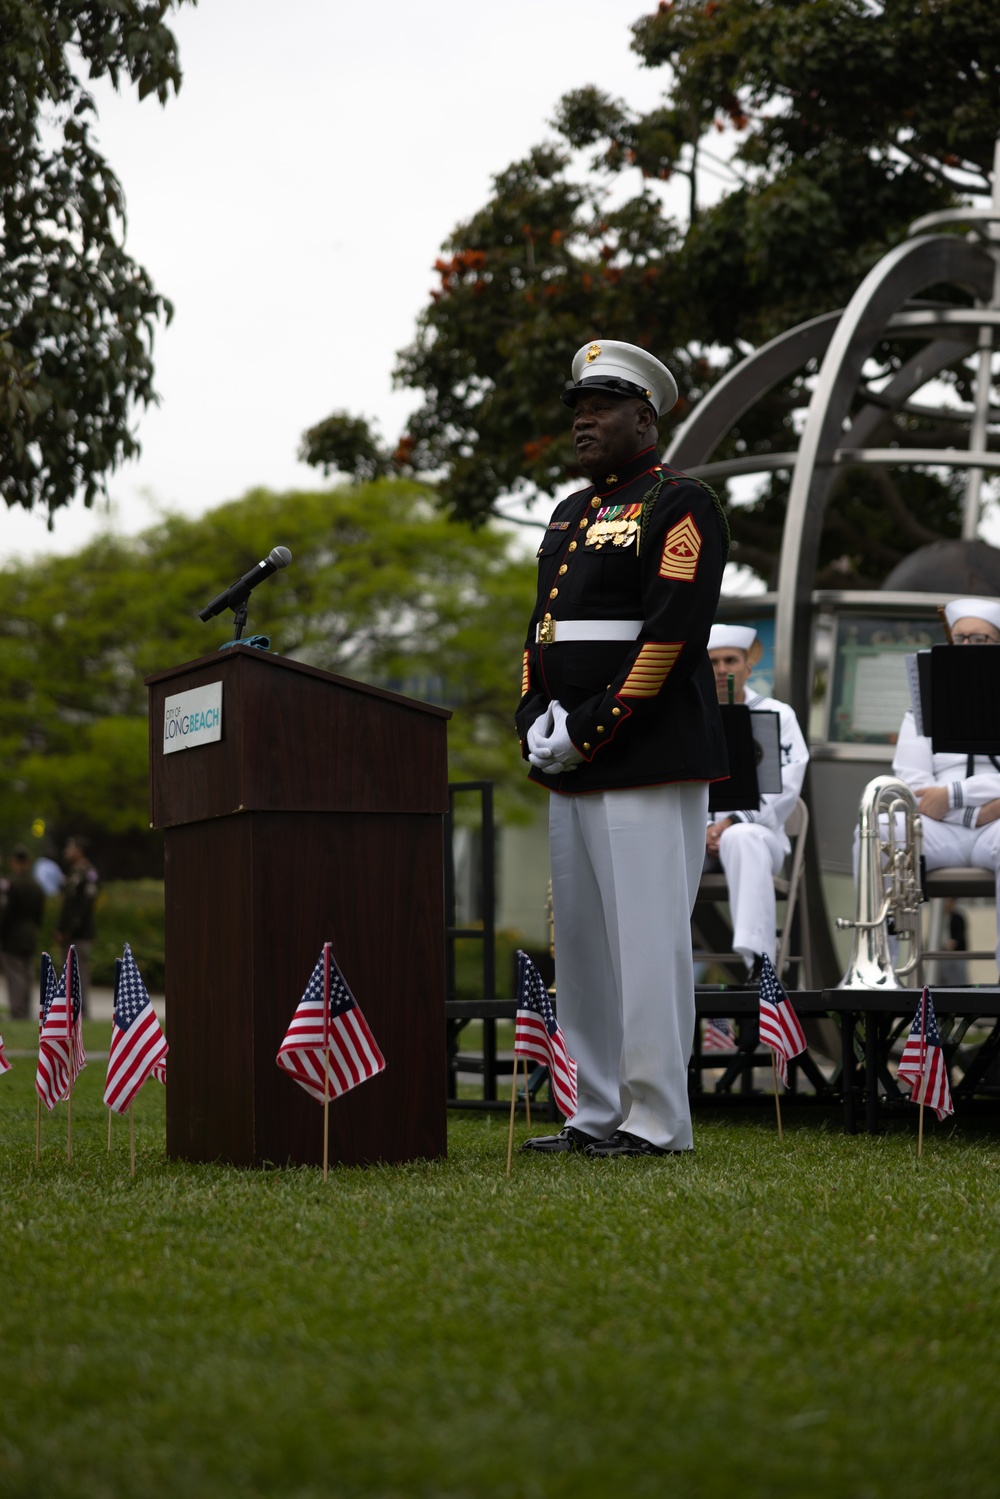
point(988, 609)
point(624, 370)
point(741, 637)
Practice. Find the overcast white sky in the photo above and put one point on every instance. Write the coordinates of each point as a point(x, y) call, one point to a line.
point(291, 201)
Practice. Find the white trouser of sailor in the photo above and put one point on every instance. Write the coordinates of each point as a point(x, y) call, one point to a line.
point(751, 855)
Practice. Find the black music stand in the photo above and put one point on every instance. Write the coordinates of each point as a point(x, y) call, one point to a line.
point(739, 792)
point(961, 712)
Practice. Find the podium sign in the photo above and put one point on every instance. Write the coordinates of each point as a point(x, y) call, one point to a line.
point(316, 816)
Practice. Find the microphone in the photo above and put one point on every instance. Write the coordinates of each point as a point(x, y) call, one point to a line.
point(239, 592)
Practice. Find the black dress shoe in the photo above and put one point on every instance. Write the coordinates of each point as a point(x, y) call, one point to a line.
point(568, 1138)
point(753, 973)
point(622, 1143)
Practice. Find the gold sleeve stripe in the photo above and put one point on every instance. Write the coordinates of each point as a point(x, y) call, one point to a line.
point(525, 674)
point(651, 668)
point(681, 551)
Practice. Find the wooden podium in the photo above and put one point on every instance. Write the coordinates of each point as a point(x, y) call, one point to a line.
point(317, 816)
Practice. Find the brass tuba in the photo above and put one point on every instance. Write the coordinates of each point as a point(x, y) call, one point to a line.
point(888, 888)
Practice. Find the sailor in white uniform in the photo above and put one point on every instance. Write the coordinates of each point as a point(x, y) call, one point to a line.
point(752, 846)
point(958, 795)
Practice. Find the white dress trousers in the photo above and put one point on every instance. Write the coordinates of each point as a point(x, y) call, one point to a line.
point(625, 872)
point(751, 855)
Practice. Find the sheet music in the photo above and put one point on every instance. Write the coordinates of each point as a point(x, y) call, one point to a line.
point(913, 682)
point(881, 693)
point(765, 725)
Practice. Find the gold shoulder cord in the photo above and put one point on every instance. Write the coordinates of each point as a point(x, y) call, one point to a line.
point(650, 498)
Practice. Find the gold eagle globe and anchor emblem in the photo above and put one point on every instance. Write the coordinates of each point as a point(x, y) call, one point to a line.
point(594, 352)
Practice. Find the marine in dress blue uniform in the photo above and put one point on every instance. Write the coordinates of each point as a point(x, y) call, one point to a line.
point(619, 719)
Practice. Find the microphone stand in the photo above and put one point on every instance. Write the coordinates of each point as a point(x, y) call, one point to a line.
point(239, 620)
point(263, 642)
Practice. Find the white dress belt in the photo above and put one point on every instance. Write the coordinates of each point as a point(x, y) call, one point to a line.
point(560, 631)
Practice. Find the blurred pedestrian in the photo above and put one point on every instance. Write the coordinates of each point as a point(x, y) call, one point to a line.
point(49, 875)
point(22, 905)
point(76, 919)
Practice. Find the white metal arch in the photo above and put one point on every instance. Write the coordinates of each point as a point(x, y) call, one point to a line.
point(903, 273)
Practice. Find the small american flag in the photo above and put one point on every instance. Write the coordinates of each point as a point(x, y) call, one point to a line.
point(4, 1064)
point(923, 1057)
point(717, 1035)
point(61, 1056)
point(537, 1035)
point(779, 1024)
point(138, 1045)
point(336, 1023)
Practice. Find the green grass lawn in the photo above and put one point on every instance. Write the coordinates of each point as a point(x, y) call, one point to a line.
point(806, 1319)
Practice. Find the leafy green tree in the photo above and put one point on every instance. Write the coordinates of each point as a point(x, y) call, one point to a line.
point(76, 312)
point(345, 444)
point(853, 117)
point(381, 587)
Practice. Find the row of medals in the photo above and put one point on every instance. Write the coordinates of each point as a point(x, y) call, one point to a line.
point(618, 532)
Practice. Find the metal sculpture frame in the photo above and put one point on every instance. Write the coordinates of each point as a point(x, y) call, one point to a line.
point(884, 306)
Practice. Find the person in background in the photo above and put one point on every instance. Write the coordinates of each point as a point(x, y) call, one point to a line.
point(958, 796)
point(22, 905)
point(49, 875)
point(752, 846)
point(76, 919)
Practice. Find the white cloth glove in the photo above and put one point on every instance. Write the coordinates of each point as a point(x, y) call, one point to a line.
point(538, 736)
point(553, 751)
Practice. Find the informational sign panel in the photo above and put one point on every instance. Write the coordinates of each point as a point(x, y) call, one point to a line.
point(192, 718)
point(871, 689)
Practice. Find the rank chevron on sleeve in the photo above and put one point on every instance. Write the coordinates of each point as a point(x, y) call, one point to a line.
point(681, 551)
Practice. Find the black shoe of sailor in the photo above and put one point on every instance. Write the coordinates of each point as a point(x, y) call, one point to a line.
point(568, 1138)
point(622, 1143)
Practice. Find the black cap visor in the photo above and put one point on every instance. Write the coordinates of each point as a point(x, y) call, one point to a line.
point(611, 383)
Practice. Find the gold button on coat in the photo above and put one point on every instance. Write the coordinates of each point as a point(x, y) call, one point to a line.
point(553, 593)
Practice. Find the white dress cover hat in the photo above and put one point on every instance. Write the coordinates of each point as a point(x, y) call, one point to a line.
point(988, 609)
point(623, 370)
point(740, 637)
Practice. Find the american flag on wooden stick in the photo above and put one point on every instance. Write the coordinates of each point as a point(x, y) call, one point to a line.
point(61, 1057)
point(923, 1058)
point(537, 1035)
point(779, 1024)
point(328, 1016)
point(138, 1045)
